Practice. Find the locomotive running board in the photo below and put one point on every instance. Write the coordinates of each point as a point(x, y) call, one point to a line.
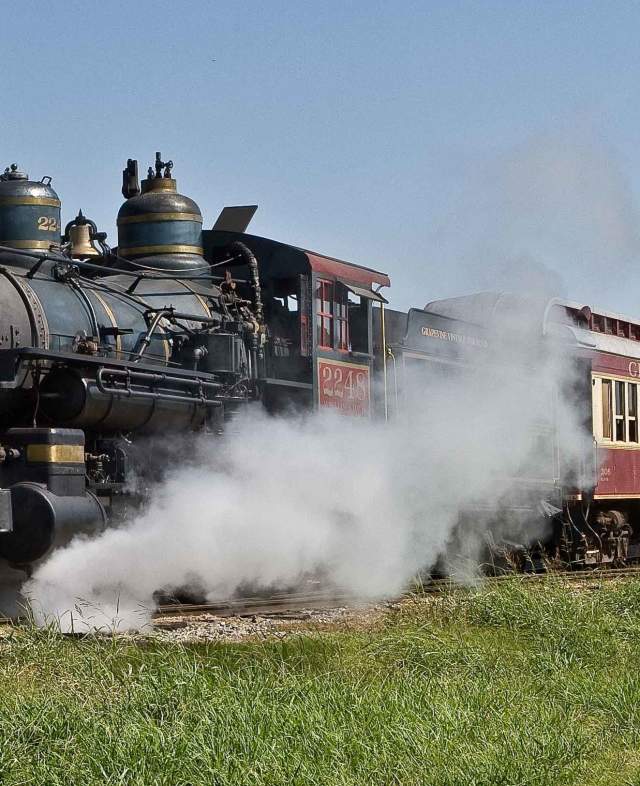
point(9, 358)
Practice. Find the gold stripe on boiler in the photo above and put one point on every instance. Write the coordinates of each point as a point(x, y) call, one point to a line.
point(202, 301)
point(45, 244)
point(170, 249)
point(160, 217)
point(29, 200)
point(112, 317)
point(55, 454)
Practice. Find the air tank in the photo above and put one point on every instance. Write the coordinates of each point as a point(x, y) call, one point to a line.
point(29, 211)
point(158, 227)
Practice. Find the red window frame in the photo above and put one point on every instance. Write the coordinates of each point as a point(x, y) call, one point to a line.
point(324, 313)
point(332, 315)
point(341, 318)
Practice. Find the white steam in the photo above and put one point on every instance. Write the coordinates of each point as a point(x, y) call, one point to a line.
point(369, 503)
point(555, 214)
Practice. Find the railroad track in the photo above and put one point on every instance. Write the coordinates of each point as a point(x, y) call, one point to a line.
point(283, 604)
point(288, 603)
point(272, 605)
point(582, 575)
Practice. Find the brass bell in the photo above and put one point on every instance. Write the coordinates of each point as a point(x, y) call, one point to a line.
point(79, 233)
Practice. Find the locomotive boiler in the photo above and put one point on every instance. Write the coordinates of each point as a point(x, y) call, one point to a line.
point(97, 347)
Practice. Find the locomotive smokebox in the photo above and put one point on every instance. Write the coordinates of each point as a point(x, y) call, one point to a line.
point(159, 227)
point(29, 212)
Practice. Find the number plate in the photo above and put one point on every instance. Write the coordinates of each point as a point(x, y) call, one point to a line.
point(47, 224)
point(344, 387)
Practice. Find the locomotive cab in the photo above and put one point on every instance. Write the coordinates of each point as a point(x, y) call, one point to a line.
point(319, 347)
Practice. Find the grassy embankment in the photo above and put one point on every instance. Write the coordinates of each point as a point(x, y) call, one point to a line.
point(515, 685)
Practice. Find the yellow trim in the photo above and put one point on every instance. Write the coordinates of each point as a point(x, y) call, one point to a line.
point(616, 496)
point(30, 200)
point(111, 316)
point(618, 377)
point(202, 301)
point(161, 250)
point(41, 324)
point(29, 243)
point(166, 345)
point(159, 184)
point(618, 445)
point(56, 454)
point(160, 217)
point(165, 340)
point(360, 366)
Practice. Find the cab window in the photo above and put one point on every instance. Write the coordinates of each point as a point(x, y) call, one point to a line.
point(332, 316)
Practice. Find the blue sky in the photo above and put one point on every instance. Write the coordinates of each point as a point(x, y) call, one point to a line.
point(456, 145)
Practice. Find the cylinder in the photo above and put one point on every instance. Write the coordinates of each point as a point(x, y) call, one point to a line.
point(29, 212)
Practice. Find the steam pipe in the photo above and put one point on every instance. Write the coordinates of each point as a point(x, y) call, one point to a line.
point(146, 340)
point(149, 379)
point(157, 378)
point(249, 259)
point(173, 315)
point(87, 302)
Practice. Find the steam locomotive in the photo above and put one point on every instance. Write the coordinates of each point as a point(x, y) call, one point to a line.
point(179, 327)
point(168, 332)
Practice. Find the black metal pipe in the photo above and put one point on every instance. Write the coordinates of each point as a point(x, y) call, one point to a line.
point(44, 256)
point(41, 255)
point(180, 315)
point(155, 379)
point(248, 258)
point(146, 339)
point(71, 359)
point(95, 329)
point(172, 315)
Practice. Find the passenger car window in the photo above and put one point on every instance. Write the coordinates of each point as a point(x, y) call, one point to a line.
point(620, 412)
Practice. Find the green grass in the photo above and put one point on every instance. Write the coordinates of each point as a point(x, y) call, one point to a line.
point(517, 684)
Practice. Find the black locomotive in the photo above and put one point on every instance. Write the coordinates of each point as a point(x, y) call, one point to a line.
point(97, 346)
point(174, 330)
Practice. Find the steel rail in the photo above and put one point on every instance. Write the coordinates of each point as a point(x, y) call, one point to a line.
point(253, 606)
point(284, 602)
point(281, 603)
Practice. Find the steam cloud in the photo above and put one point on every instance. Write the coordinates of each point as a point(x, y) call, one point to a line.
point(369, 503)
point(555, 214)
